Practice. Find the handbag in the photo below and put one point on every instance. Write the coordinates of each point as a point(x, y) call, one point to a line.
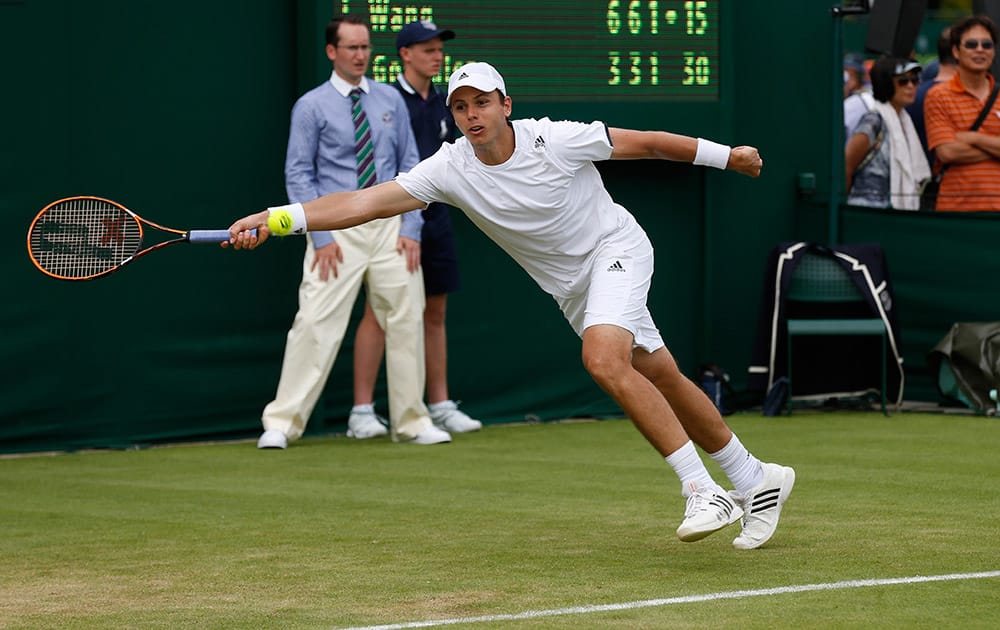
point(932, 187)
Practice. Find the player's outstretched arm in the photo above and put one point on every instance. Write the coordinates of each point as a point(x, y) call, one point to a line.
point(630, 144)
point(335, 211)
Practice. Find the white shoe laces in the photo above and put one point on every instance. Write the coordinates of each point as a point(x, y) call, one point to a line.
point(697, 502)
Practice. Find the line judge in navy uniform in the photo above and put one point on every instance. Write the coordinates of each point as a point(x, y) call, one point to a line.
point(421, 51)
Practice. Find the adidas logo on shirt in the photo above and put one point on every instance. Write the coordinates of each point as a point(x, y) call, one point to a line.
point(617, 266)
point(539, 142)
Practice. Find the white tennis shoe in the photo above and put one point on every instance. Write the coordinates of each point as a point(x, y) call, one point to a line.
point(365, 425)
point(707, 512)
point(272, 438)
point(431, 435)
point(762, 506)
point(446, 415)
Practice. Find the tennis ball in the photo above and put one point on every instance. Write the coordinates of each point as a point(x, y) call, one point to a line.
point(280, 222)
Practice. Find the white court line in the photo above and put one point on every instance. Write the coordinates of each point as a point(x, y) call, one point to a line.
point(687, 599)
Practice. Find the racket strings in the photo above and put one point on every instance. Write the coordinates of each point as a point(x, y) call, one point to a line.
point(80, 238)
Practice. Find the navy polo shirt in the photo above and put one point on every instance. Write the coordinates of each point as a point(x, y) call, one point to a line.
point(431, 120)
point(433, 125)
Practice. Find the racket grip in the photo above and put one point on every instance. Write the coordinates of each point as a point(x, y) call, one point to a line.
point(211, 236)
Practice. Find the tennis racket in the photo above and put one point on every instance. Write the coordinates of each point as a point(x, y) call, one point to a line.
point(82, 238)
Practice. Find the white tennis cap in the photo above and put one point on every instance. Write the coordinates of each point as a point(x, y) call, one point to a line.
point(479, 75)
point(905, 68)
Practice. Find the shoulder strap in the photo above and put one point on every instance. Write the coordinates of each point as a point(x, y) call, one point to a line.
point(879, 138)
point(986, 108)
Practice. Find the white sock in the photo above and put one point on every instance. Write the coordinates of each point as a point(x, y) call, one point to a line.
point(444, 405)
point(369, 408)
point(691, 470)
point(742, 468)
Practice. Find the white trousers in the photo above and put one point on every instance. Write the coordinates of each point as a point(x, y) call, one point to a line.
point(397, 298)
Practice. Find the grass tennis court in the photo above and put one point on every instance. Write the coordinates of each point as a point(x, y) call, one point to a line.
point(336, 533)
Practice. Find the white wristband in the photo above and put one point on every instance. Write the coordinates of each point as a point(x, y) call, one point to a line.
point(298, 216)
point(711, 154)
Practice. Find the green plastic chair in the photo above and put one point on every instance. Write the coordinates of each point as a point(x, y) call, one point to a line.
point(819, 278)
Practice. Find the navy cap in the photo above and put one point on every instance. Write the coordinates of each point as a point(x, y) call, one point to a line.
point(421, 31)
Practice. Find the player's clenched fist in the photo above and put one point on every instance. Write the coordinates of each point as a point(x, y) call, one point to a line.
point(746, 160)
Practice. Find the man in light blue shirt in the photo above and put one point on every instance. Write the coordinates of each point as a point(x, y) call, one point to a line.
point(383, 255)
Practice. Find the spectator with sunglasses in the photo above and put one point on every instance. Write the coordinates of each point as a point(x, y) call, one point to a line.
point(884, 158)
point(972, 158)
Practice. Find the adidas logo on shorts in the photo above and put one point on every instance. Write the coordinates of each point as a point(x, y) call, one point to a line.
point(617, 266)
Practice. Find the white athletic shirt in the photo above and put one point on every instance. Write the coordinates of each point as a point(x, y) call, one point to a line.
point(546, 206)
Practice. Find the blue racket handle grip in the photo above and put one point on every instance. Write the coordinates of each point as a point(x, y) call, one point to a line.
point(210, 236)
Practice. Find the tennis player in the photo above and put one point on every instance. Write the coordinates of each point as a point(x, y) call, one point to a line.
point(532, 187)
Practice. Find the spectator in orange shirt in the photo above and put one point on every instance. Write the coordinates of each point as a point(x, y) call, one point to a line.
point(972, 158)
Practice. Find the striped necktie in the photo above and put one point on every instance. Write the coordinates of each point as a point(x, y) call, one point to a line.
point(363, 146)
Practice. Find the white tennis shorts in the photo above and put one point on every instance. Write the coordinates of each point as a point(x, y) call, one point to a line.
point(616, 294)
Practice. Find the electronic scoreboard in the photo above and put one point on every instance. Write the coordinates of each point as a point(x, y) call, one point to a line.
point(566, 50)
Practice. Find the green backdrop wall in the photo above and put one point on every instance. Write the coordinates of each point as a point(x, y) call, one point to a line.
point(180, 111)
